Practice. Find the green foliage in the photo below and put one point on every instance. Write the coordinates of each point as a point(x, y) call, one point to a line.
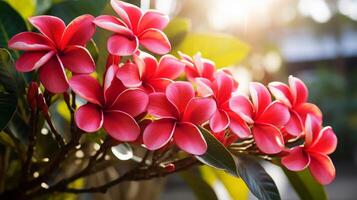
point(177, 30)
point(25, 8)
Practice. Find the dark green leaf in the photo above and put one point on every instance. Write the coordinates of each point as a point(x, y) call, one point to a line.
point(6, 140)
point(257, 179)
point(11, 23)
point(217, 155)
point(305, 185)
point(202, 190)
point(8, 103)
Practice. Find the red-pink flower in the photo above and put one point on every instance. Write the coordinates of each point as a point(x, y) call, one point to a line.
point(221, 90)
point(295, 97)
point(133, 28)
point(198, 67)
point(265, 117)
point(113, 106)
point(56, 48)
point(153, 76)
point(319, 143)
point(179, 113)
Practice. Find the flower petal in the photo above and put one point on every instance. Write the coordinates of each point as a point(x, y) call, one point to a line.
point(29, 41)
point(158, 133)
point(223, 87)
point(89, 117)
point(179, 94)
point(238, 126)
point(131, 101)
point(153, 19)
point(199, 110)
point(298, 90)
point(78, 60)
point(260, 97)
point(129, 75)
point(296, 160)
point(129, 13)
point(312, 131)
point(281, 92)
point(327, 142)
point(53, 76)
point(155, 41)
point(121, 126)
point(321, 167)
point(122, 45)
point(294, 126)
point(308, 108)
point(112, 23)
point(276, 114)
point(50, 26)
point(204, 87)
point(159, 84)
point(159, 106)
point(219, 121)
point(169, 67)
point(147, 65)
point(241, 105)
point(87, 87)
point(32, 60)
point(268, 138)
point(189, 138)
point(79, 31)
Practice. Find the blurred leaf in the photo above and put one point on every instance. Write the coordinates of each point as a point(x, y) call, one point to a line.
point(6, 140)
point(224, 50)
point(123, 151)
point(8, 103)
point(202, 190)
point(11, 23)
point(42, 6)
point(25, 8)
point(177, 30)
point(305, 185)
point(257, 179)
point(93, 50)
point(217, 155)
point(62, 110)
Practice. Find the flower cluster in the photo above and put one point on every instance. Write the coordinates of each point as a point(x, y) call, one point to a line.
point(141, 100)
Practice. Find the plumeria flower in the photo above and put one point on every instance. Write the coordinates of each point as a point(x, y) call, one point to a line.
point(295, 97)
point(55, 48)
point(226, 137)
point(151, 75)
point(179, 113)
point(198, 67)
point(265, 117)
point(319, 143)
point(221, 90)
point(134, 28)
point(112, 106)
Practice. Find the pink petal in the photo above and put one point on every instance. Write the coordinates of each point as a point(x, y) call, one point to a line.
point(294, 126)
point(32, 60)
point(29, 41)
point(321, 167)
point(129, 75)
point(199, 110)
point(260, 97)
point(121, 126)
point(112, 86)
point(159, 84)
point(53, 76)
point(208, 69)
point(78, 60)
point(155, 41)
point(129, 13)
point(158, 133)
point(243, 107)
point(308, 108)
point(281, 92)
point(112, 23)
point(122, 45)
point(153, 19)
point(169, 67)
point(327, 142)
point(223, 86)
point(159, 106)
point(296, 160)
point(147, 65)
point(312, 131)
point(131, 101)
point(298, 89)
point(238, 126)
point(219, 121)
point(52, 27)
point(189, 138)
point(89, 117)
point(276, 114)
point(268, 138)
point(87, 87)
point(79, 31)
point(204, 87)
point(179, 94)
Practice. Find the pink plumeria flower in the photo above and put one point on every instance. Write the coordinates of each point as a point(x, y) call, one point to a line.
point(221, 90)
point(179, 113)
point(114, 107)
point(149, 74)
point(265, 117)
point(134, 28)
point(56, 48)
point(319, 143)
point(295, 97)
point(198, 67)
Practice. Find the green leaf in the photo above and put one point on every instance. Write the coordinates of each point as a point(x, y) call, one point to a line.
point(6, 140)
point(257, 179)
point(217, 155)
point(93, 50)
point(11, 23)
point(25, 8)
point(224, 50)
point(305, 185)
point(177, 30)
point(202, 190)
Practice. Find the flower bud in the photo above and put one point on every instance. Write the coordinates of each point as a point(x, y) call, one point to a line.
point(42, 105)
point(170, 167)
point(32, 93)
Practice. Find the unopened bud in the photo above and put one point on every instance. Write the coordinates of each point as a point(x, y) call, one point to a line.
point(42, 105)
point(170, 167)
point(32, 93)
